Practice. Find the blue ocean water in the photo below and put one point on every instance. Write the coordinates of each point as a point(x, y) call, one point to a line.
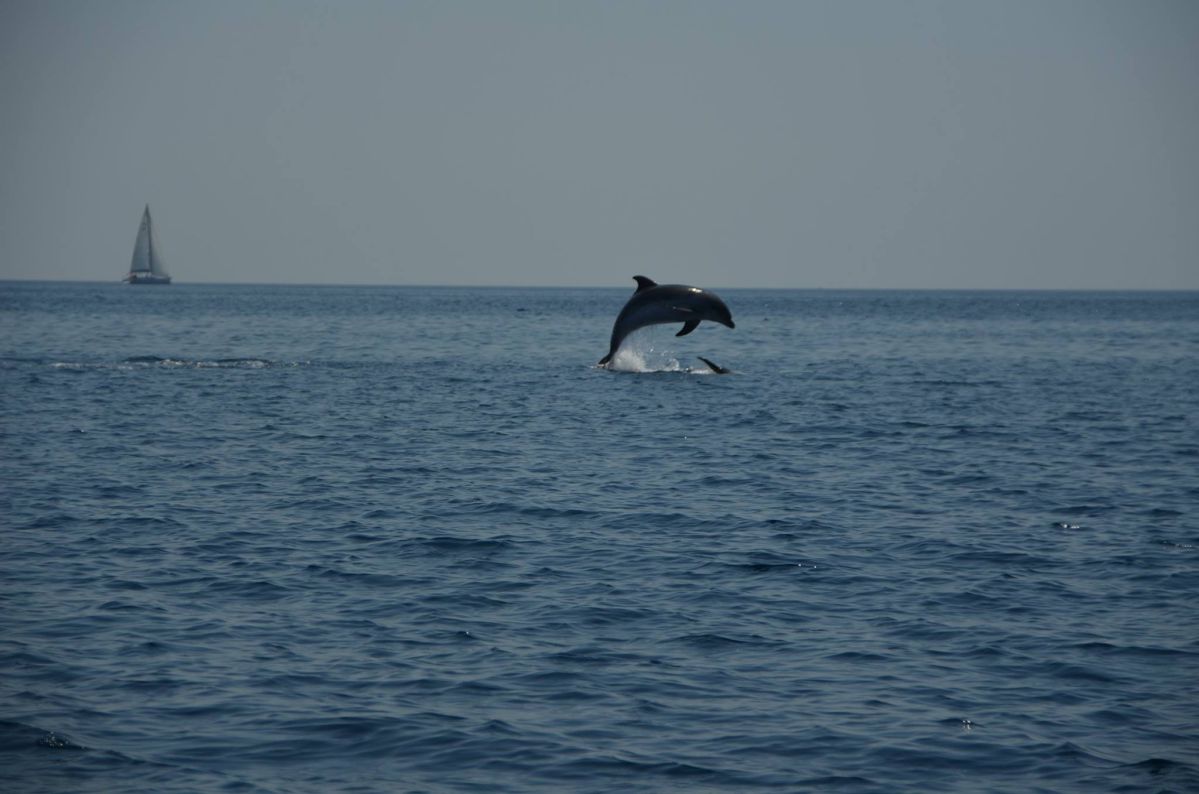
point(319, 539)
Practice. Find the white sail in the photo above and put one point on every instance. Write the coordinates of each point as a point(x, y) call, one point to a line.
point(146, 266)
point(141, 249)
point(155, 250)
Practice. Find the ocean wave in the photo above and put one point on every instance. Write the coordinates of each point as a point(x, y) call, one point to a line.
point(417, 547)
point(172, 362)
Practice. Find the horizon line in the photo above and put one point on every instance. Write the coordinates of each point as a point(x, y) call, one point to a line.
point(349, 285)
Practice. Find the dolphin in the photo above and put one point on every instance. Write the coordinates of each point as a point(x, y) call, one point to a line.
point(712, 365)
point(654, 304)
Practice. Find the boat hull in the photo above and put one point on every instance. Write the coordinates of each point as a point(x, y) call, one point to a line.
point(140, 278)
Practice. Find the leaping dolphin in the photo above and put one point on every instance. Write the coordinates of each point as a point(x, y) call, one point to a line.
point(654, 304)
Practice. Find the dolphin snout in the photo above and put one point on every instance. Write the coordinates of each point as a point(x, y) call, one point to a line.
point(730, 323)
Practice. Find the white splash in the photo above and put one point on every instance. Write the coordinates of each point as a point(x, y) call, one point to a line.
point(641, 352)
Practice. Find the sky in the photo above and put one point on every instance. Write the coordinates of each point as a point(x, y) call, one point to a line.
point(1011, 144)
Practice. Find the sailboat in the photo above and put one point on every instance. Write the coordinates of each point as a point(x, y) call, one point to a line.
point(146, 267)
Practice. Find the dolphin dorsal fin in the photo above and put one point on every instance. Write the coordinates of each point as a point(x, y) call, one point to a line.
point(644, 282)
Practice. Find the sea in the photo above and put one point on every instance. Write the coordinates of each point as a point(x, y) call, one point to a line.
point(412, 539)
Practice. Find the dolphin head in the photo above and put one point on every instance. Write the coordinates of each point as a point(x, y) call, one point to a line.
point(726, 317)
point(712, 308)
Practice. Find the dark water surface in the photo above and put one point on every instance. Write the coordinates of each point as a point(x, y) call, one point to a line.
point(291, 539)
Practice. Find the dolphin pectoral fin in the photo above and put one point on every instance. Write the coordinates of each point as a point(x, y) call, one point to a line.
point(644, 282)
point(688, 327)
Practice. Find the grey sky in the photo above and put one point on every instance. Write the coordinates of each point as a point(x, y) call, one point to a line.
point(771, 144)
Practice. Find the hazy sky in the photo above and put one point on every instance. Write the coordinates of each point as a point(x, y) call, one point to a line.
point(1005, 144)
